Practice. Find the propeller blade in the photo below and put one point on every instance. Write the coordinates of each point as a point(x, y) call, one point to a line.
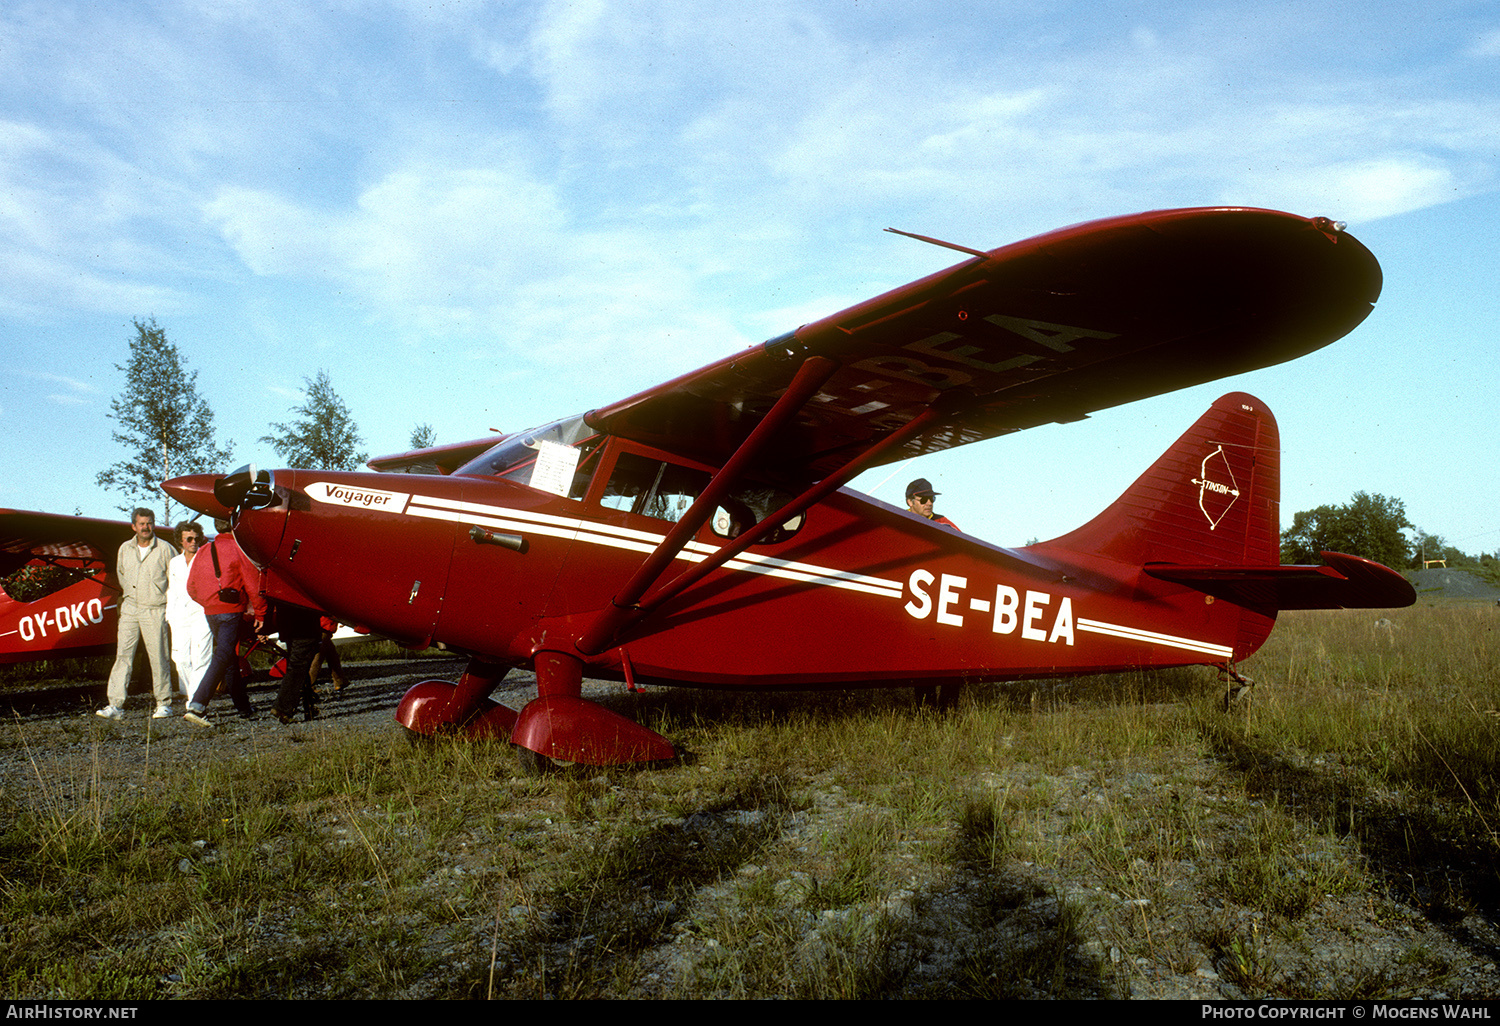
point(219, 495)
point(245, 488)
point(232, 488)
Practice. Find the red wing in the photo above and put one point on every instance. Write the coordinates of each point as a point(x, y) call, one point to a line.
point(1050, 329)
point(24, 536)
point(439, 459)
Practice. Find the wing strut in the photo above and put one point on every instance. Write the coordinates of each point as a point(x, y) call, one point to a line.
point(811, 376)
point(600, 634)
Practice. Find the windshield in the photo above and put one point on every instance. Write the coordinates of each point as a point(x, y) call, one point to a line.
point(516, 455)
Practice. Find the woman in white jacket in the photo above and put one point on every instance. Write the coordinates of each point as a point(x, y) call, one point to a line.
point(192, 642)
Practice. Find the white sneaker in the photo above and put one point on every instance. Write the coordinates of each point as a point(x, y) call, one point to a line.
point(162, 712)
point(195, 716)
point(111, 712)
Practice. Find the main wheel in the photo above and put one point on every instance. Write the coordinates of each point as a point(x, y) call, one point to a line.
point(535, 764)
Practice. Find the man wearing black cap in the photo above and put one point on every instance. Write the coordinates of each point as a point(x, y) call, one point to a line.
point(919, 499)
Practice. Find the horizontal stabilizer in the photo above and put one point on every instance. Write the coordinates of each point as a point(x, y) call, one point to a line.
point(1343, 582)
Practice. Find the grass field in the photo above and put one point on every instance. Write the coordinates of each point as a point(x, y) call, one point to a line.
point(1333, 836)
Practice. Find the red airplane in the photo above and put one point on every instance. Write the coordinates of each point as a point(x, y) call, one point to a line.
point(80, 618)
point(698, 533)
point(76, 620)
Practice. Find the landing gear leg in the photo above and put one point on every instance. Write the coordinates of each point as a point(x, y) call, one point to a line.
point(1236, 686)
point(561, 725)
point(479, 679)
point(436, 707)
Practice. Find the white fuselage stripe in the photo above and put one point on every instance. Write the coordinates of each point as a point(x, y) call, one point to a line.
point(572, 529)
point(1116, 630)
point(644, 542)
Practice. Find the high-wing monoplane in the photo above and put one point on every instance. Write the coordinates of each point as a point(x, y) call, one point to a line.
point(76, 619)
point(699, 533)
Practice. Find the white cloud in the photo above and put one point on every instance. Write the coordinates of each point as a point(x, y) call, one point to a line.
point(1487, 45)
point(482, 253)
point(1370, 189)
point(717, 138)
point(61, 379)
point(270, 234)
point(665, 182)
point(73, 219)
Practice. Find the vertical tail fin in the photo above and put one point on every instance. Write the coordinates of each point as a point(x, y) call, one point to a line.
point(1207, 515)
point(1213, 498)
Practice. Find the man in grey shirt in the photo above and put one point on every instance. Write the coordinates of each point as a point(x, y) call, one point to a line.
point(141, 569)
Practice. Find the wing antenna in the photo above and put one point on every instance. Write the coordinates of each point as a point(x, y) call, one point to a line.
point(940, 242)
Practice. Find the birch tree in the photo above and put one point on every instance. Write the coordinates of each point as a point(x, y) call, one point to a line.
point(324, 437)
point(165, 425)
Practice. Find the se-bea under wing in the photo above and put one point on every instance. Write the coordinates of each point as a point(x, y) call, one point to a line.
point(1045, 330)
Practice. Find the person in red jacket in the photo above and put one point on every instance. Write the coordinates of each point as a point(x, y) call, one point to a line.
point(225, 583)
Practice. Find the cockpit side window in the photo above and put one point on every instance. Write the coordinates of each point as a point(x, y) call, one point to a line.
point(652, 487)
point(676, 488)
point(588, 462)
point(632, 479)
point(746, 505)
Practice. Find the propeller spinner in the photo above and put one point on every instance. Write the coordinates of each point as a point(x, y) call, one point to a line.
point(219, 495)
point(247, 487)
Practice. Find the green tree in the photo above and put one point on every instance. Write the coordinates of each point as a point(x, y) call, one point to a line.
point(423, 437)
point(1426, 546)
point(1368, 526)
point(324, 437)
point(163, 422)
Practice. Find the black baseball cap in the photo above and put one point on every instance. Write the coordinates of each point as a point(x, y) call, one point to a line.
point(920, 486)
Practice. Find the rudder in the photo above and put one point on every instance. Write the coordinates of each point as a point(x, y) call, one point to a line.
point(1213, 498)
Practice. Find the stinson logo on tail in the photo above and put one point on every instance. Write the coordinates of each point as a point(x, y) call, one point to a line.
point(1216, 498)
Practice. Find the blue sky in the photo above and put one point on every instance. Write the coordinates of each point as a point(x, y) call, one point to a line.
point(488, 215)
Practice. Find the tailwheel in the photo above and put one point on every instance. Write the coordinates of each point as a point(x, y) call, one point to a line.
point(1236, 686)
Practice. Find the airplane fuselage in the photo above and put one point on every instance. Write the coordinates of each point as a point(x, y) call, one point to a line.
point(861, 594)
point(596, 545)
point(75, 621)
